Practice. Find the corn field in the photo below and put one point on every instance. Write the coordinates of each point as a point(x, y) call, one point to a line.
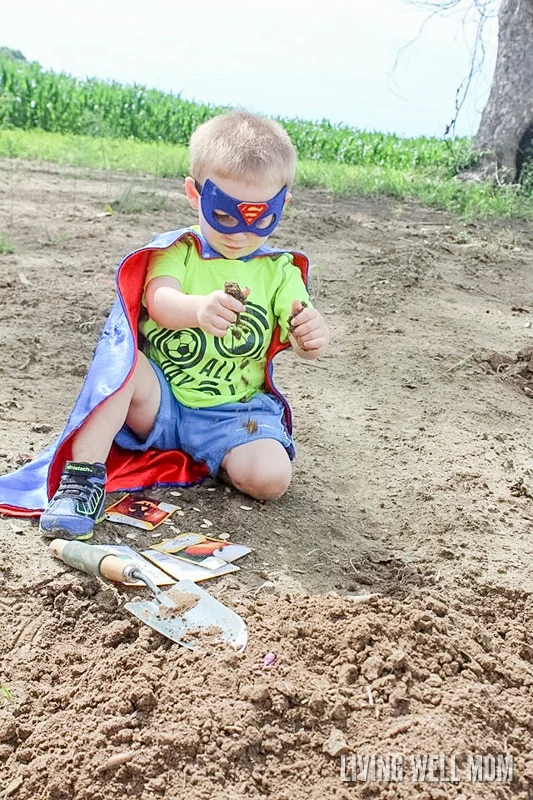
point(31, 98)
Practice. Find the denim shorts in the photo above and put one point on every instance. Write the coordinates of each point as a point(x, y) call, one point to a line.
point(207, 434)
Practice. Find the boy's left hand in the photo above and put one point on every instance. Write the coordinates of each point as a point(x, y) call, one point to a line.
point(308, 330)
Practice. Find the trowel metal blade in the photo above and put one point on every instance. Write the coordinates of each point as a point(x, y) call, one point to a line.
point(207, 613)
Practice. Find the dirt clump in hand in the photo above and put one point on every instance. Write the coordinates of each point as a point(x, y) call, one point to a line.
point(295, 314)
point(235, 291)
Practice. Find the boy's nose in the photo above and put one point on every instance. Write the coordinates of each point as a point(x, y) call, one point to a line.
point(241, 236)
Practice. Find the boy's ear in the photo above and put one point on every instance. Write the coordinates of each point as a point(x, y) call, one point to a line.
point(192, 193)
point(288, 198)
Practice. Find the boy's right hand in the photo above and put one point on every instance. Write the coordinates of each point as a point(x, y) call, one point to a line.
point(217, 311)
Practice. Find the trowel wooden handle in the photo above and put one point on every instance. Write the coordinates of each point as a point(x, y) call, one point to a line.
point(90, 558)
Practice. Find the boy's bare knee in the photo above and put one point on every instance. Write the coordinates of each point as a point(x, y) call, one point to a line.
point(271, 486)
point(262, 480)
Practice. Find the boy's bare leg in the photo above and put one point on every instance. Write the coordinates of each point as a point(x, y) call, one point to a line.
point(137, 403)
point(79, 500)
point(260, 468)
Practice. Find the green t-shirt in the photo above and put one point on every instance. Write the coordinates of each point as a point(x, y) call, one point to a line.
point(205, 370)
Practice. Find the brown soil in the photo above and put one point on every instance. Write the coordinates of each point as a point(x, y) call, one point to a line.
point(182, 602)
point(413, 484)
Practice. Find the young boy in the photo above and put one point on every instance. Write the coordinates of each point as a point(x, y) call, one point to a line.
point(216, 304)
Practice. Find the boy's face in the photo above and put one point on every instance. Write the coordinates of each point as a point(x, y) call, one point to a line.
point(243, 243)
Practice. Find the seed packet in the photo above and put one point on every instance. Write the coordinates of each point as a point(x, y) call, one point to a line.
point(140, 511)
point(202, 550)
point(180, 569)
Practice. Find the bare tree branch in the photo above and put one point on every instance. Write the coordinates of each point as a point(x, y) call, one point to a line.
point(482, 11)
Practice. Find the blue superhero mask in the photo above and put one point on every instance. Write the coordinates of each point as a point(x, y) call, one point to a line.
point(238, 216)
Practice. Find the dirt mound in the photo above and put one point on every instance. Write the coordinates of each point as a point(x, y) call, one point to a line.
point(517, 370)
point(103, 708)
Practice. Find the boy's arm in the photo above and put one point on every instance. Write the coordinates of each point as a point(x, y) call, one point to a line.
point(169, 307)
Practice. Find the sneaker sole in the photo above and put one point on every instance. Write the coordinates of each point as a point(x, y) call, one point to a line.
point(57, 533)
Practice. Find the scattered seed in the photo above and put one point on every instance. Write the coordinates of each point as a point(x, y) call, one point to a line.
point(223, 536)
point(269, 659)
point(246, 508)
point(360, 598)
point(16, 528)
point(116, 761)
point(177, 530)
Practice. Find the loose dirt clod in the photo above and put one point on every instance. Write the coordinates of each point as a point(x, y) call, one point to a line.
point(515, 370)
point(13, 787)
point(205, 637)
point(183, 602)
point(251, 425)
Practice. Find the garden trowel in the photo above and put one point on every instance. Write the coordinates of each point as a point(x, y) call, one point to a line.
point(184, 613)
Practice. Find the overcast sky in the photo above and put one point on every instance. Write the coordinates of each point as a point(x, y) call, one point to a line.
point(357, 62)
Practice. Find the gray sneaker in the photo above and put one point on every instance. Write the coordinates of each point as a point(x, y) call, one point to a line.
point(78, 502)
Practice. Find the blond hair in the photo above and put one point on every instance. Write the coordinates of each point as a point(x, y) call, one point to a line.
point(242, 145)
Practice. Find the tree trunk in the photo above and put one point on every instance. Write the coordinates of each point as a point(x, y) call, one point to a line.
point(506, 127)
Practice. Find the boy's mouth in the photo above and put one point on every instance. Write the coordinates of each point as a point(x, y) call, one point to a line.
point(234, 247)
